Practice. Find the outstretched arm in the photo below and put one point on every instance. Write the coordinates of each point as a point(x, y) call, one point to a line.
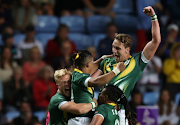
point(151, 47)
point(78, 108)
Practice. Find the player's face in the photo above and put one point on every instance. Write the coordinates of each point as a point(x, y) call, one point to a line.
point(101, 98)
point(119, 51)
point(91, 65)
point(65, 85)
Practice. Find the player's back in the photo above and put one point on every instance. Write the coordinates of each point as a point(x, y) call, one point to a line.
point(109, 113)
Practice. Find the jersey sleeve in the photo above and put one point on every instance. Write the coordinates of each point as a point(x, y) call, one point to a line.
point(58, 102)
point(82, 79)
point(100, 110)
point(141, 61)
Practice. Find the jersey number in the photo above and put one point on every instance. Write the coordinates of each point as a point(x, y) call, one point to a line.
point(117, 122)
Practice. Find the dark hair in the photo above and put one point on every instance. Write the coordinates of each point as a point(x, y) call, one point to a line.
point(2, 58)
point(6, 36)
point(57, 39)
point(161, 104)
point(111, 24)
point(116, 95)
point(124, 38)
point(29, 28)
point(80, 58)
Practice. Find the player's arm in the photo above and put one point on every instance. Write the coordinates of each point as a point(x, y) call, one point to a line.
point(151, 47)
point(104, 79)
point(96, 74)
point(98, 61)
point(97, 120)
point(77, 108)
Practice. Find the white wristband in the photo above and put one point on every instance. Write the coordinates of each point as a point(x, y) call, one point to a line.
point(116, 71)
point(104, 56)
point(93, 105)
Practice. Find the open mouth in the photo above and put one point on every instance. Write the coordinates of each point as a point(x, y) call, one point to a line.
point(116, 56)
point(67, 90)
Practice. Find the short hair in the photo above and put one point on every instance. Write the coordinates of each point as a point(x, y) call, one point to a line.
point(29, 28)
point(124, 38)
point(173, 27)
point(60, 73)
point(61, 26)
point(111, 24)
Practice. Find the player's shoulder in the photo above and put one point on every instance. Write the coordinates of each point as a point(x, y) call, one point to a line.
point(57, 98)
point(109, 60)
point(102, 107)
point(77, 75)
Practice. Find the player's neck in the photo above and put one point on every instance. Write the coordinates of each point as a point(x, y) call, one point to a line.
point(85, 70)
point(126, 57)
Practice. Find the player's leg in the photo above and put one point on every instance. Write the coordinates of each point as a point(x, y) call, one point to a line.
point(79, 121)
point(122, 119)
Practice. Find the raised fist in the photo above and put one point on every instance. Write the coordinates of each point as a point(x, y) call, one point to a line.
point(149, 11)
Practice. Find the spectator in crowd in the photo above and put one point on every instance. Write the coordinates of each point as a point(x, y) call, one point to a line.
point(2, 117)
point(32, 67)
point(15, 91)
point(6, 65)
point(136, 100)
point(102, 7)
point(43, 88)
point(1, 91)
point(24, 46)
point(150, 79)
point(171, 69)
point(165, 46)
point(64, 60)
point(93, 52)
point(44, 7)
point(26, 117)
point(24, 14)
point(63, 8)
point(8, 30)
point(52, 48)
point(167, 109)
point(5, 16)
point(105, 45)
point(8, 42)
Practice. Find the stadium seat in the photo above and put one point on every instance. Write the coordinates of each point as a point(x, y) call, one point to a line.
point(81, 41)
point(123, 6)
point(45, 37)
point(97, 23)
point(76, 24)
point(126, 23)
point(134, 38)
point(47, 24)
point(18, 38)
point(150, 98)
point(40, 115)
point(96, 38)
point(1, 42)
point(11, 115)
point(177, 98)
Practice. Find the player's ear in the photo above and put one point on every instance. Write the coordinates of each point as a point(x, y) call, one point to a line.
point(127, 50)
point(106, 97)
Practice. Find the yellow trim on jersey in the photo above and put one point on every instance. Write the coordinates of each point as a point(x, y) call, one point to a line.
point(129, 69)
point(113, 104)
point(105, 67)
point(77, 70)
point(90, 89)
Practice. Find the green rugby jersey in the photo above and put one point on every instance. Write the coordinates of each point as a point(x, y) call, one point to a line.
point(127, 79)
point(80, 92)
point(109, 113)
point(57, 116)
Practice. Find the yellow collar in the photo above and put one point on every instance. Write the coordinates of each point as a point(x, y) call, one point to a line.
point(113, 104)
point(77, 70)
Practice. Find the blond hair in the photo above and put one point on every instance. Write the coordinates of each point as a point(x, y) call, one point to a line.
point(60, 73)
